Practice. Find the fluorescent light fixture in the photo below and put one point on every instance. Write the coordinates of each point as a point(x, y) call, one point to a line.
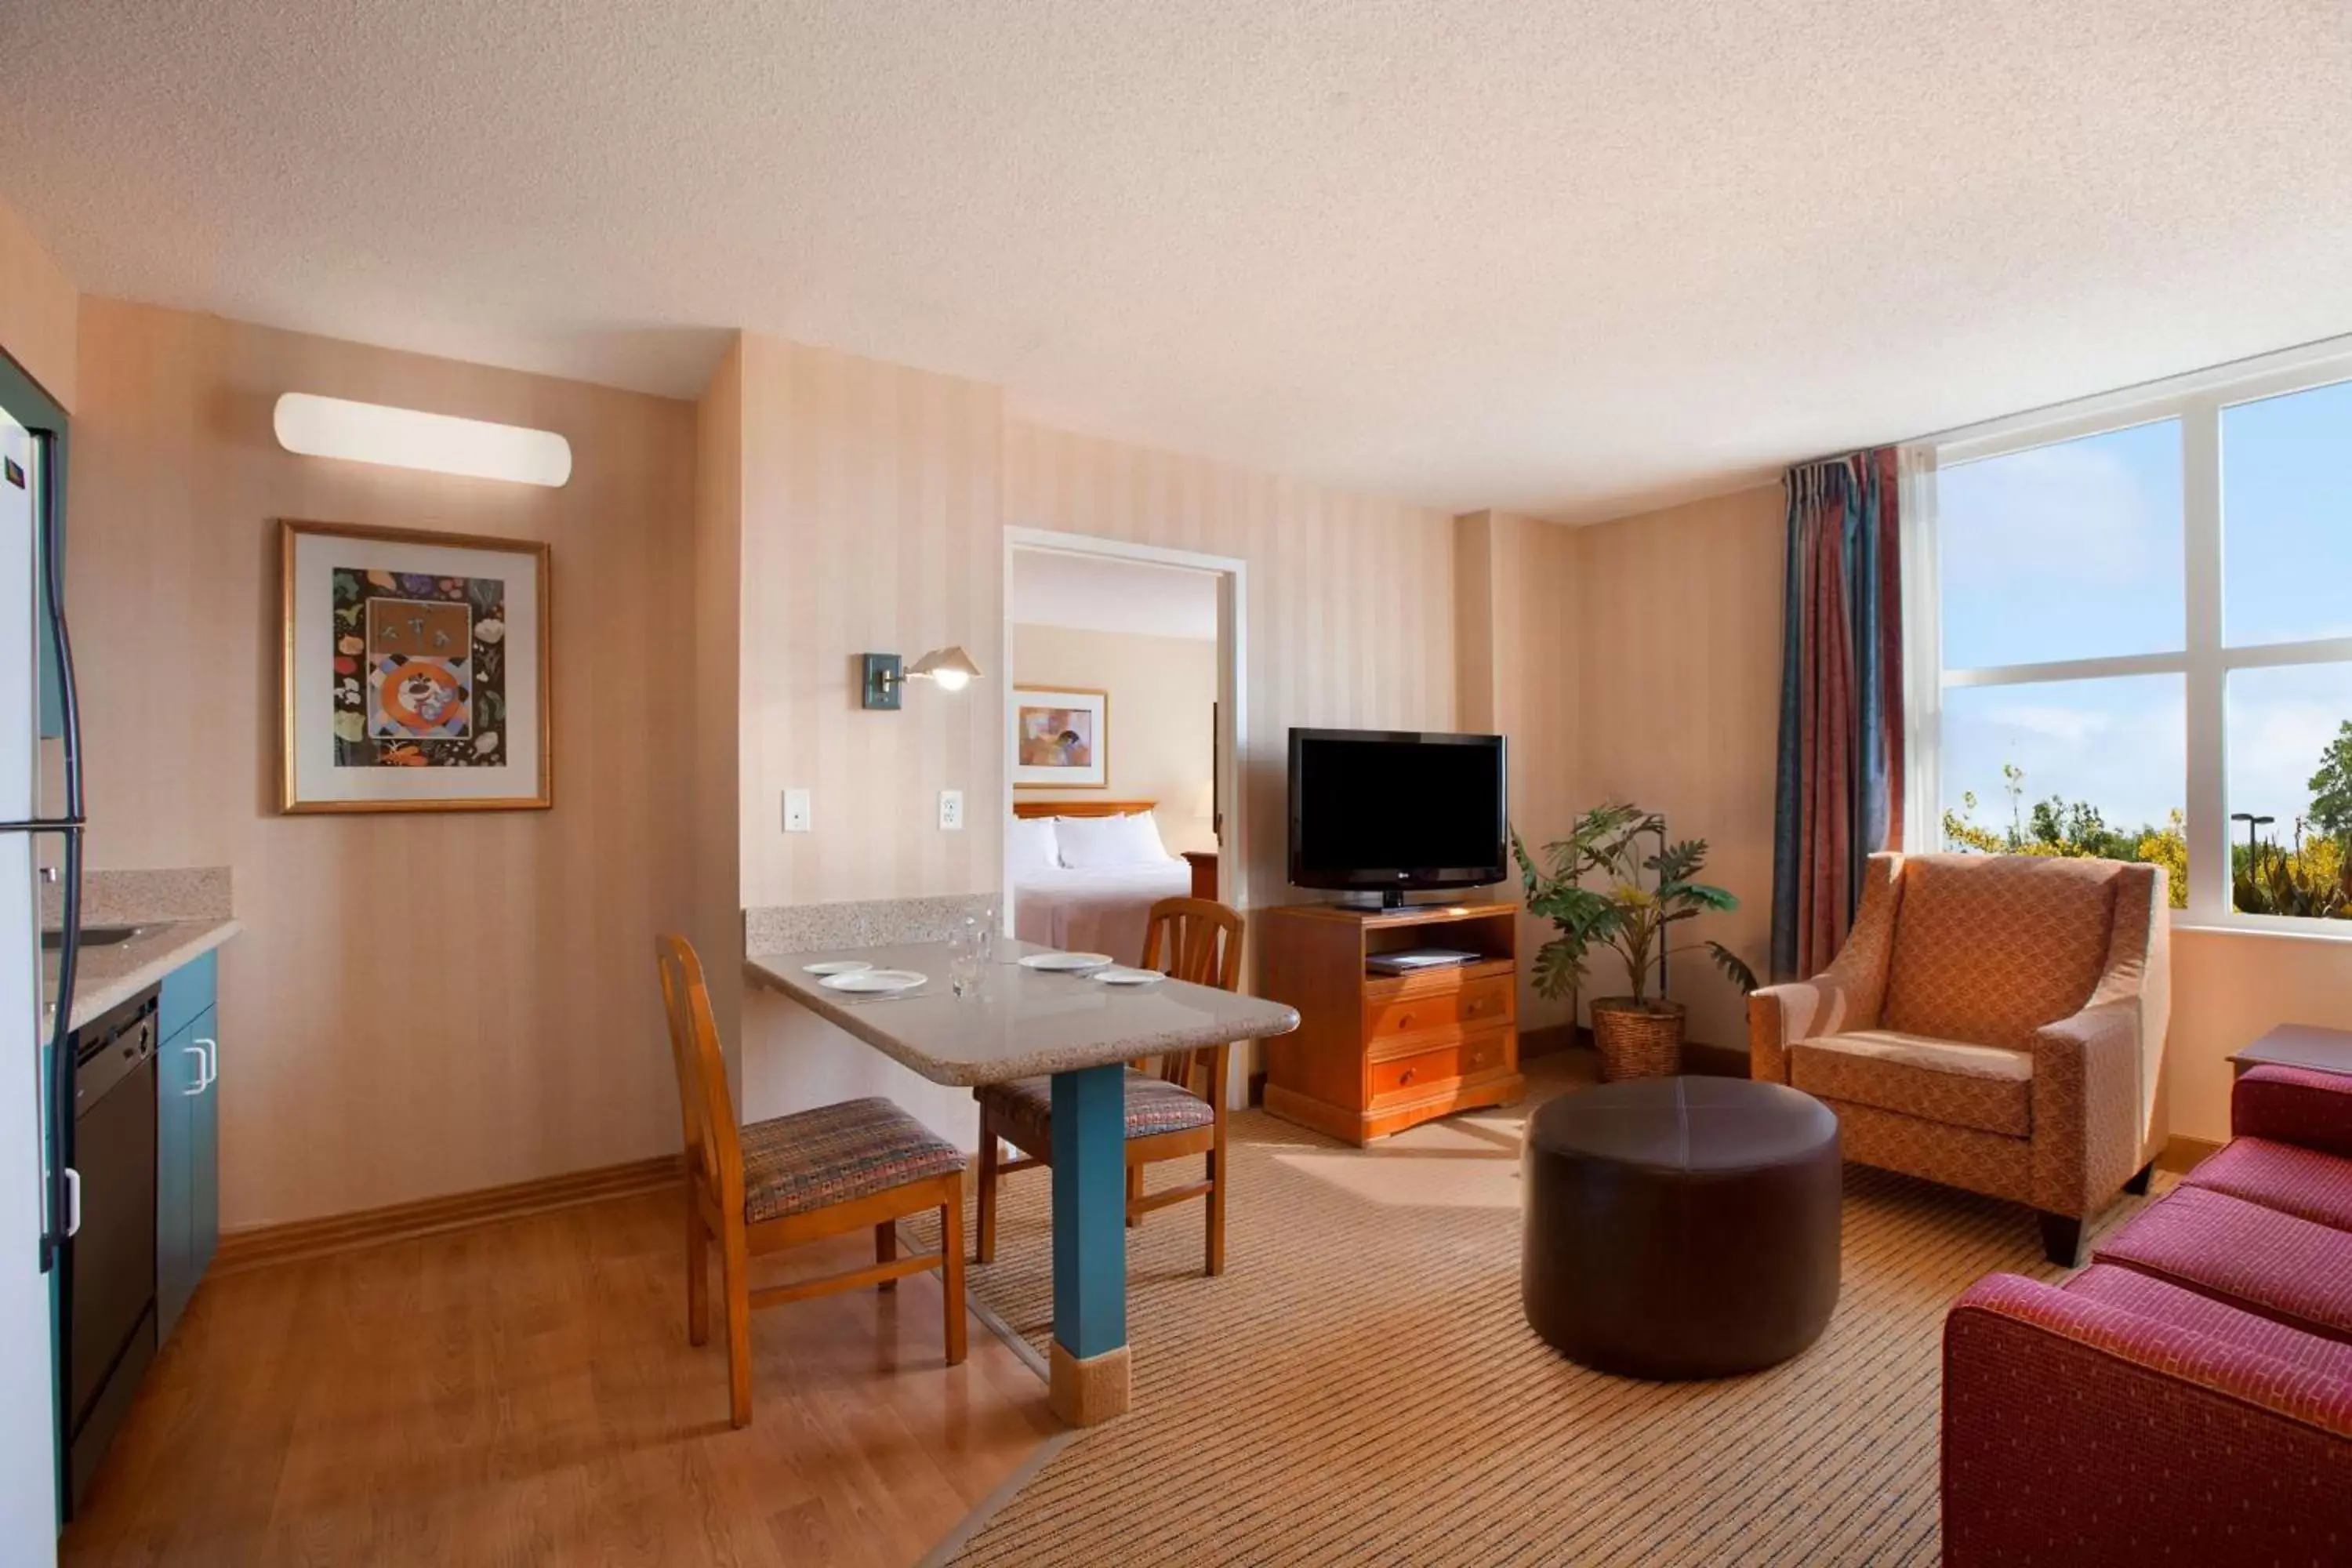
point(409, 438)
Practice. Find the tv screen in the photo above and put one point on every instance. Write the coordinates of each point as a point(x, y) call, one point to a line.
point(1396, 809)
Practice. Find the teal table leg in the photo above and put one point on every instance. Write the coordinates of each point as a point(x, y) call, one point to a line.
point(1090, 1353)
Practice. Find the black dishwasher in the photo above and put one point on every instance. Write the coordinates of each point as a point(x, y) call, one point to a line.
point(110, 1263)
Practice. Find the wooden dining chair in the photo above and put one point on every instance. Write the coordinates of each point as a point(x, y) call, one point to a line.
point(1176, 1113)
point(795, 1179)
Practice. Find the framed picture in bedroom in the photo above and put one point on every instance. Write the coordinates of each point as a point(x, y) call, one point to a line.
point(1061, 737)
point(414, 673)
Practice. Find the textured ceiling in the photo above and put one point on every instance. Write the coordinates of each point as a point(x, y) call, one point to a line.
point(1568, 259)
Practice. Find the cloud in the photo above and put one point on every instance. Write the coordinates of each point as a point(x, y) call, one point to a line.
point(2119, 743)
point(2067, 726)
point(2280, 721)
point(2105, 509)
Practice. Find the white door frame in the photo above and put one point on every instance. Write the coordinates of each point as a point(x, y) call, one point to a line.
point(1233, 719)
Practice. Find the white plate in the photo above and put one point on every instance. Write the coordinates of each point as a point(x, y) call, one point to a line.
point(836, 966)
point(1067, 960)
point(874, 982)
point(1119, 974)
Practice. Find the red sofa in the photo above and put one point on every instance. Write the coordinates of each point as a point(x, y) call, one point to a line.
point(2187, 1397)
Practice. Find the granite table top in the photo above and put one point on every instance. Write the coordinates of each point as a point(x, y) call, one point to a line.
point(1022, 1022)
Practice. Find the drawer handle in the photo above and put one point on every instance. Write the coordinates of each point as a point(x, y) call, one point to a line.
point(1405, 1077)
point(1405, 1020)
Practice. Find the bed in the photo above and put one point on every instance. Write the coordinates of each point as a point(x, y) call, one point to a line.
point(1102, 904)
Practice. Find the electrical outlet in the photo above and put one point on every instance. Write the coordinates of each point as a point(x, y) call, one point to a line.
point(796, 811)
point(951, 810)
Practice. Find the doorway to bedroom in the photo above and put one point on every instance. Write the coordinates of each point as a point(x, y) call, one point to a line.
point(1124, 723)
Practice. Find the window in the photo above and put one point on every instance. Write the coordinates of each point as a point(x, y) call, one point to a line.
point(2136, 640)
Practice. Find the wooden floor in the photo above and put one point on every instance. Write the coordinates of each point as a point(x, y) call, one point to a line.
point(524, 1394)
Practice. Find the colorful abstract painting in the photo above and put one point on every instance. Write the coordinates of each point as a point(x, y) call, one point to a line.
point(416, 670)
point(1061, 737)
point(420, 670)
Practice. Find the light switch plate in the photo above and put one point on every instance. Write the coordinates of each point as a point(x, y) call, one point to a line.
point(796, 811)
point(951, 810)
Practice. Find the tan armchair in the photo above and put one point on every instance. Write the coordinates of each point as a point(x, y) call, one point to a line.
point(1994, 1021)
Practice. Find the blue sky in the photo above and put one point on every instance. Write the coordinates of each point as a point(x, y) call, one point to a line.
point(2075, 551)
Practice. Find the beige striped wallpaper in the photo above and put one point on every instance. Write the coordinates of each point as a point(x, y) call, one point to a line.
point(1679, 624)
point(717, 873)
point(1351, 618)
point(421, 1002)
point(873, 502)
point(869, 507)
point(1521, 658)
point(871, 517)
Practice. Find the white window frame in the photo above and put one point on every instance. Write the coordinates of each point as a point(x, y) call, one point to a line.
point(2197, 400)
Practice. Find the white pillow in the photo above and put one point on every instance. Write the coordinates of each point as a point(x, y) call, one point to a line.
point(1092, 843)
point(1033, 847)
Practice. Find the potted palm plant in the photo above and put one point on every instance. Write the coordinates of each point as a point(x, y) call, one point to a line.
point(1591, 886)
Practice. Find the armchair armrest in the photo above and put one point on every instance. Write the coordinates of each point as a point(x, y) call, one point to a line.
point(2088, 1133)
point(2097, 1113)
point(1781, 1016)
point(1846, 996)
point(2293, 1105)
point(2165, 1433)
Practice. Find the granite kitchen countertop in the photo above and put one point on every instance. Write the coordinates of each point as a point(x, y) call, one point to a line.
point(104, 976)
point(182, 914)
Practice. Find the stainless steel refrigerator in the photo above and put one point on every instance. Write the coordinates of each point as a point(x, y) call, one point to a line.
point(38, 1194)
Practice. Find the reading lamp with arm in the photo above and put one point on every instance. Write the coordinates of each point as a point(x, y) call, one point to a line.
point(883, 683)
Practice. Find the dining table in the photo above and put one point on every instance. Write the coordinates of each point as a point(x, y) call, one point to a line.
point(1079, 1030)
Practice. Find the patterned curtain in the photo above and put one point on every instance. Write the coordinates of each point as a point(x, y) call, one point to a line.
point(1840, 775)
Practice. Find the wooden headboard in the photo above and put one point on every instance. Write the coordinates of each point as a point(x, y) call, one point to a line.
point(1081, 807)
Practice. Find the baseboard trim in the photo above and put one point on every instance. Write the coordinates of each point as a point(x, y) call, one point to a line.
point(2183, 1154)
point(1551, 1040)
point(1699, 1058)
point(259, 1247)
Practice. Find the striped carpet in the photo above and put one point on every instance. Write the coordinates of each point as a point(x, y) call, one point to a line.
point(1360, 1387)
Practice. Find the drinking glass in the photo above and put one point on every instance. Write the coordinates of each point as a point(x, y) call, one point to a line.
point(963, 968)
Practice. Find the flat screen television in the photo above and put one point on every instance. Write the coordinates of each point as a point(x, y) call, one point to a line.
point(1396, 810)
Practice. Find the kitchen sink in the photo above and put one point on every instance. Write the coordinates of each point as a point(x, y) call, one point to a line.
point(91, 936)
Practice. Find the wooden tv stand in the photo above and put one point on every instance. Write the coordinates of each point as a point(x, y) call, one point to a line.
point(1375, 1054)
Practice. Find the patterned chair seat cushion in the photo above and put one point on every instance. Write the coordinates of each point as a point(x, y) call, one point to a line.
point(1985, 1086)
point(815, 1159)
point(1153, 1105)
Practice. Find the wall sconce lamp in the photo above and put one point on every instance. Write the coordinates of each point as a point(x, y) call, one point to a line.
point(883, 683)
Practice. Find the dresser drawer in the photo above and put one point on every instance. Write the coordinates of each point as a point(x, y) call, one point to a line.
point(1475, 1004)
point(1469, 1057)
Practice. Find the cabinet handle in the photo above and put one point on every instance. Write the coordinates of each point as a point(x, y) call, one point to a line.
point(212, 1062)
point(73, 1202)
point(196, 1051)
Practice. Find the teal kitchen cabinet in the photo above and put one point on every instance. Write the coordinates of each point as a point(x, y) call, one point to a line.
point(187, 1137)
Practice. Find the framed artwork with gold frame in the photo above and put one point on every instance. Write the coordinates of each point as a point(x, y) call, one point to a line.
point(414, 673)
point(1061, 737)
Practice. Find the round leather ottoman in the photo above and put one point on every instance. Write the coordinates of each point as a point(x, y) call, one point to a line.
point(1681, 1227)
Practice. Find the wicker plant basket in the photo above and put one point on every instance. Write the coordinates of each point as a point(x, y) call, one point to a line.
point(1637, 1039)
